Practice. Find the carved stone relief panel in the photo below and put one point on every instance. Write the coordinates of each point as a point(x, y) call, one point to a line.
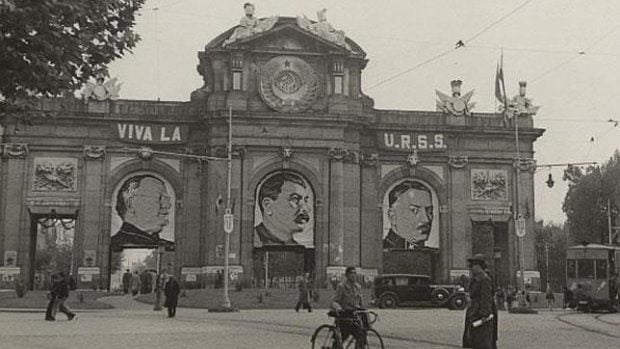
point(55, 174)
point(489, 184)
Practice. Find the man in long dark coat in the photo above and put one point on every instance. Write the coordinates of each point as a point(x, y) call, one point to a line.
point(171, 290)
point(305, 293)
point(479, 327)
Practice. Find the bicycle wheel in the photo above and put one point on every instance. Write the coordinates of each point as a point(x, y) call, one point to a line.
point(326, 337)
point(373, 341)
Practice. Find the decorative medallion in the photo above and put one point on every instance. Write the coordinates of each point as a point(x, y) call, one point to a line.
point(55, 174)
point(15, 150)
point(94, 152)
point(288, 84)
point(370, 160)
point(525, 164)
point(458, 161)
point(286, 153)
point(343, 154)
point(489, 184)
point(413, 159)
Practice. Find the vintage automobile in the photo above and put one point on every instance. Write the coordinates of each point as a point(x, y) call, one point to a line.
point(392, 290)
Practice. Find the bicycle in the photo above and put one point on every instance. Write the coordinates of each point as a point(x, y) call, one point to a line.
point(329, 336)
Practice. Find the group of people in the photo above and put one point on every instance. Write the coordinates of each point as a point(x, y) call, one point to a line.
point(57, 297)
point(144, 282)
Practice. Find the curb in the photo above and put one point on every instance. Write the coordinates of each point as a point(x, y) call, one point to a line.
point(34, 310)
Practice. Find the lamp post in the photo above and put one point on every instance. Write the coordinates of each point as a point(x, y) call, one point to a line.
point(159, 283)
point(228, 216)
point(520, 228)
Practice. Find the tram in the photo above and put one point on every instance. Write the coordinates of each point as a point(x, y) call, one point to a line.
point(592, 276)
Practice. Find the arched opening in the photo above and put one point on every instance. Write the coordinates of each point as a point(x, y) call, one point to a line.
point(142, 232)
point(284, 229)
point(411, 232)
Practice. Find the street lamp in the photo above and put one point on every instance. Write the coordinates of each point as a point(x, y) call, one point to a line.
point(520, 229)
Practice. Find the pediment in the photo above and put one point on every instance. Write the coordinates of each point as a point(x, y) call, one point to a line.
point(287, 36)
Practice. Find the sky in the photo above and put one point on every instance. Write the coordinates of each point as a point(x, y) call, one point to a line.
point(567, 50)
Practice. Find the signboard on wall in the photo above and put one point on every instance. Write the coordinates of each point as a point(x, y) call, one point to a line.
point(150, 133)
point(408, 141)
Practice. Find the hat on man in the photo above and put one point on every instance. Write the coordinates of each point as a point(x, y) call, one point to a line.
point(478, 258)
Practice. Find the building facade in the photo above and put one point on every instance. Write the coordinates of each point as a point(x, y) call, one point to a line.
point(320, 178)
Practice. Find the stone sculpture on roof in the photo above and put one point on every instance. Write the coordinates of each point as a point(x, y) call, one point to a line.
point(519, 104)
point(456, 104)
point(323, 28)
point(249, 25)
point(101, 90)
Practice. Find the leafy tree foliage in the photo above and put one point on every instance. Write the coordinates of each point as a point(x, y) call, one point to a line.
point(586, 201)
point(48, 47)
point(551, 242)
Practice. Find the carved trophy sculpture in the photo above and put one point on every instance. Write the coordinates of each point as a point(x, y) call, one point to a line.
point(249, 25)
point(519, 104)
point(101, 90)
point(323, 28)
point(456, 105)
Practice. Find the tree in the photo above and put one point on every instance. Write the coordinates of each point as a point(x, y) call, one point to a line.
point(50, 47)
point(586, 202)
point(551, 241)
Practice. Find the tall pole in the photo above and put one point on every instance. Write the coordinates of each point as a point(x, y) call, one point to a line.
point(158, 284)
point(609, 228)
point(266, 268)
point(547, 260)
point(228, 210)
point(518, 187)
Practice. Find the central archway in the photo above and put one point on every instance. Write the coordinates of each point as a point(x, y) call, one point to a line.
point(284, 229)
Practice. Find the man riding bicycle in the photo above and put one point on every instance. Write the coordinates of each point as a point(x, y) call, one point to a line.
point(348, 298)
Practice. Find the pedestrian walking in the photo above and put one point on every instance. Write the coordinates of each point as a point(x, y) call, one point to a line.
point(479, 324)
point(61, 292)
point(171, 290)
point(135, 283)
point(305, 293)
point(126, 281)
point(550, 297)
point(51, 296)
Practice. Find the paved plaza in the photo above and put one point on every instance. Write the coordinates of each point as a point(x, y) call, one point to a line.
point(136, 325)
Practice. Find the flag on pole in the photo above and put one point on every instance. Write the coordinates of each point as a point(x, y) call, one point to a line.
point(500, 87)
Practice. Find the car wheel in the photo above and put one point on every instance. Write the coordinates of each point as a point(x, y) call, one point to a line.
point(388, 301)
point(439, 296)
point(458, 302)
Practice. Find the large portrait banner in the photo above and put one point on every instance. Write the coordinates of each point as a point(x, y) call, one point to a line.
point(143, 212)
point(408, 212)
point(284, 211)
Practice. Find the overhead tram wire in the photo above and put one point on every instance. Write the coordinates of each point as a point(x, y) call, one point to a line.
point(579, 54)
point(459, 44)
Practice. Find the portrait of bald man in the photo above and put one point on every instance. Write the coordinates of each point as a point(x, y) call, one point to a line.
point(144, 205)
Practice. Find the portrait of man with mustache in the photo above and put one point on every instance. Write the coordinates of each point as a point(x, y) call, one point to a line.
point(285, 206)
point(410, 214)
point(144, 205)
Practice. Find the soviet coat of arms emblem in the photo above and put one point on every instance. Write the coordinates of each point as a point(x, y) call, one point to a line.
point(288, 84)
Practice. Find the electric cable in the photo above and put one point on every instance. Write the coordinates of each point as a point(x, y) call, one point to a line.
point(459, 44)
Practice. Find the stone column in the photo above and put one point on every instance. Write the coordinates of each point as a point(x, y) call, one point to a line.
point(336, 206)
point(13, 227)
point(92, 210)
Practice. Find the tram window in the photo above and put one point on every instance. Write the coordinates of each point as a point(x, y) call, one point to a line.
point(585, 268)
point(601, 269)
point(571, 268)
